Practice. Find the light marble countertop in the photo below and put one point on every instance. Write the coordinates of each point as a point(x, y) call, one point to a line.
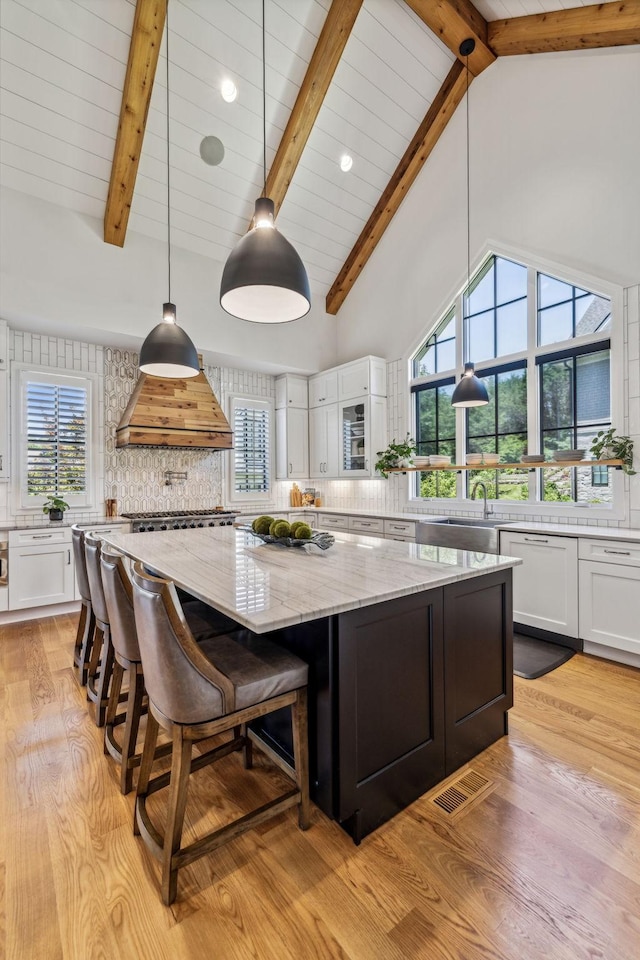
point(265, 586)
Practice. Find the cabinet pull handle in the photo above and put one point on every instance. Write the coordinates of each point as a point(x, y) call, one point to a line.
point(620, 553)
point(42, 536)
point(530, 540)
point(366, 464)
point(68, 558)
point(290, 468)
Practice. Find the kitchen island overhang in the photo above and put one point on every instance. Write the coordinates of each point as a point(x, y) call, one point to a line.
point(409, 648)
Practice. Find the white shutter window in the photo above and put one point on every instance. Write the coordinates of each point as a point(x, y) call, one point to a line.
point(252, 456)
point(53, 443)
point(56, 439)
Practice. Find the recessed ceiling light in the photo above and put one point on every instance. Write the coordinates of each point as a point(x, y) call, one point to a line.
point(212, 151)
point(346, 162)
point(228, 90)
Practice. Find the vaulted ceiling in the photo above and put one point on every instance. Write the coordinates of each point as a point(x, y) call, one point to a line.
point(375, 79)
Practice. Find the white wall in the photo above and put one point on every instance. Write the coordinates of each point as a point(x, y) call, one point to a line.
point(554, 160)
point(57, 275)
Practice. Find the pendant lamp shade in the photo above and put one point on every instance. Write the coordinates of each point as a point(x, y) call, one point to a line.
point(168, 351)
point(470, 392)
point(264, 279)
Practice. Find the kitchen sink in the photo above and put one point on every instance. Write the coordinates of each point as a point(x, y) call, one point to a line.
point(462, 533)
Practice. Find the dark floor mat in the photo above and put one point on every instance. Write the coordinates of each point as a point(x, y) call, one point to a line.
point(533, 658)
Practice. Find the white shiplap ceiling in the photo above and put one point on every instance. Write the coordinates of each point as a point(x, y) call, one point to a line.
point(62, 70)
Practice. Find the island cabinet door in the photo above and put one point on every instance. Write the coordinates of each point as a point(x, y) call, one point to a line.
point(478, 664)
point(390, 708)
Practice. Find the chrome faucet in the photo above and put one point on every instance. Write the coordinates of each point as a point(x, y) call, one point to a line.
point(485, 509)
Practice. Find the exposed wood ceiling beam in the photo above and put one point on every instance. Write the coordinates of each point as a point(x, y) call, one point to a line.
point(144, 50)
point(454, 21)
point(600, 25)
point(326, 56)
point(440, 112)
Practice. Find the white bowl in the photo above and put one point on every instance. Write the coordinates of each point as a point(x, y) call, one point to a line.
point(474, 458)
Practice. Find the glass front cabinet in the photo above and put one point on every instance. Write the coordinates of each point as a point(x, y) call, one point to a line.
point(362, 430)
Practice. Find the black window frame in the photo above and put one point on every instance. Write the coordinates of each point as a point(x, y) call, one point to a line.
point(467, 317)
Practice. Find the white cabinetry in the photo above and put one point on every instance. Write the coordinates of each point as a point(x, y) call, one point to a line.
point(4, 401)
point(323, 388)
point(291, 391)
point(323, 441)
point(362, 426)
point(292, 428)
point(292, 443)
point(545, 586)
point(41, 568)
point(609, 606)
point(333, 521)
point(362, 377)
point(400, 529)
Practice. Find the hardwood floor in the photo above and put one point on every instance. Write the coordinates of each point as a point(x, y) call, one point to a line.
point(544, 864)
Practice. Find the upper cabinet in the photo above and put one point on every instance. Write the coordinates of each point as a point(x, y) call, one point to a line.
point(292, 428)
point(4, 401)
point(291, 391)
point(366, 377)
point(323, 388)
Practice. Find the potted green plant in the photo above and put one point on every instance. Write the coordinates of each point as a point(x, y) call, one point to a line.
point(396, 455)
point(55, 507)
point(607, 446)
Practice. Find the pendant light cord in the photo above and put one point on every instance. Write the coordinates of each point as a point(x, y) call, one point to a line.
point(468, 192)
point(168, 165)
point(264, 102)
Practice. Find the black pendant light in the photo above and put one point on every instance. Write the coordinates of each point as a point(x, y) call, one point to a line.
point(264, 279)
point(470, 392)
point(168, 351)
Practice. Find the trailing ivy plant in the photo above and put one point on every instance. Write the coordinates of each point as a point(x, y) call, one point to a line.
point(607, 446)
point(396, 455)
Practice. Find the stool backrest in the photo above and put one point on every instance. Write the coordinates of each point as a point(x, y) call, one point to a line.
point(118, 595)
point(77, 539)
point(179, 678)
point(92, 546)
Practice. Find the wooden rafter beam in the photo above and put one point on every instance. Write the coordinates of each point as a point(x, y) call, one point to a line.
point(454, 21)
point(600, 25)
point(440, 112)
point(326, 56)
point(144, 50)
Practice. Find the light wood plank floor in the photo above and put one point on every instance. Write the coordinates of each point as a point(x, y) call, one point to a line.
point(545, 865)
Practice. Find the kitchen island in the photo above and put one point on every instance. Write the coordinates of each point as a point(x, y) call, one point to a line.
point(409, 649)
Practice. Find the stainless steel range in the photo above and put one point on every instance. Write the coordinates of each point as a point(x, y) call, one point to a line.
point(180, 520)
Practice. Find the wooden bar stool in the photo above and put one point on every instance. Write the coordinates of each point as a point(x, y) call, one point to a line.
point(101, 663)
point(195, 692)
point(204, 623)
point(87, 622)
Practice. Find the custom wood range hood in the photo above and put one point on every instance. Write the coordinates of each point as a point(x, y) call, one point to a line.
point(174, 413)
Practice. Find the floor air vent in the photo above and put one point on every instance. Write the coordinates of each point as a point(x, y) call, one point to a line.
point(458, 795)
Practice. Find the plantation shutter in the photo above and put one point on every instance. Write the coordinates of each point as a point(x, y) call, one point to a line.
point(55, 428)
point(252, 447)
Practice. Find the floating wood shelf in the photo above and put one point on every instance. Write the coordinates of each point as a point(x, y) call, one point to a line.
point(617, 464)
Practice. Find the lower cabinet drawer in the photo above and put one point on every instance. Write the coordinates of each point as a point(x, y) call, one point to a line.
point(330, 521)
point(610, 551)
point(370, 525)
point(402, 528)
